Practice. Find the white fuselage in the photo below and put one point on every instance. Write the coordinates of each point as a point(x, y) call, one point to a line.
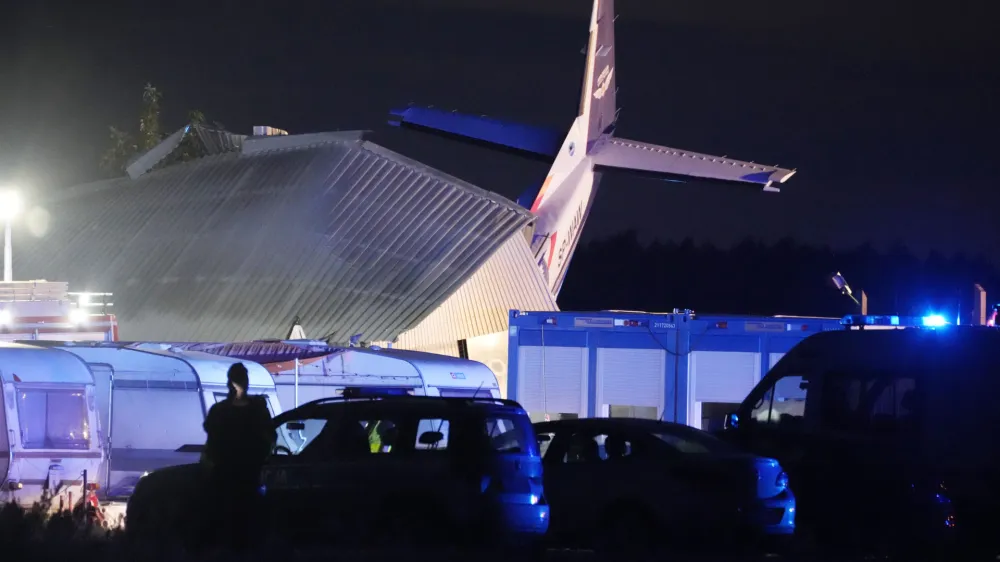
point(562, 206)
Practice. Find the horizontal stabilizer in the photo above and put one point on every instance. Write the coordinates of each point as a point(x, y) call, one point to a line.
point(536, 141)
point(684, 165)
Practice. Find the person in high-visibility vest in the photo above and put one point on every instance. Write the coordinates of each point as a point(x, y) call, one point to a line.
point(381, 436)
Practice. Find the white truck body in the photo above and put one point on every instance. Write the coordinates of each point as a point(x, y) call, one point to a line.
point(153, 402)
point(50, 435)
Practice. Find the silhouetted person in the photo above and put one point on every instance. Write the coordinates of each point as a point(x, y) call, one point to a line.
point(240, 438)
point(615, 447)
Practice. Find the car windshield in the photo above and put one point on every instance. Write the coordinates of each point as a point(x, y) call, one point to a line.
point(688, 440)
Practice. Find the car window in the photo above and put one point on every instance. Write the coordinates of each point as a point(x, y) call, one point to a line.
point(544, 441)
point(869, 402)
point(511, 434)
point(318, 439)
point(587, 447)
point(689, 440)
point(299, 434)
point(427, 428)
point(382, 434)
point(784, 403)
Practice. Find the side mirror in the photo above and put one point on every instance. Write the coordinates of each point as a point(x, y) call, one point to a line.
point(732, 421)
point(430, 438)
point(544, 438)
point(295, 426)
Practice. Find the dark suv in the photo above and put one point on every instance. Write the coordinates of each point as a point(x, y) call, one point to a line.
point(390, 470)
point(407, 469)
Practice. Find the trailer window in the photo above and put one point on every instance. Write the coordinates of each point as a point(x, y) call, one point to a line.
point(53, 419)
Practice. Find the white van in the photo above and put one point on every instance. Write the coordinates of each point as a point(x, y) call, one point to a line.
point(50, 436)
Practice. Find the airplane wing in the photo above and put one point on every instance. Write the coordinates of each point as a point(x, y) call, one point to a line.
point(683, 165)
point(517, 137)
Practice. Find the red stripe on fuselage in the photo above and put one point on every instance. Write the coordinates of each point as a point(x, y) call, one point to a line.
point(541, 193)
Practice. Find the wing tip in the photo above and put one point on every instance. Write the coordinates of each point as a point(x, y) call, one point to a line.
point(788, 174)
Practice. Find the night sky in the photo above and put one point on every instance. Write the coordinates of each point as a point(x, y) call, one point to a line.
point(889, 113)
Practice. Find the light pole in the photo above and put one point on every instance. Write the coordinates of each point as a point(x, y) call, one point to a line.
point(10, 207)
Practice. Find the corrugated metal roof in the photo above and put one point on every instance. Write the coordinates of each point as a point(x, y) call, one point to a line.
point(508, 280)
point(349, 236)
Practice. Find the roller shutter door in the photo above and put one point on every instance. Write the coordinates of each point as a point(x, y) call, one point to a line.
point(565, 379)
point(631, 377)
point(775, 357)
point(723, 376)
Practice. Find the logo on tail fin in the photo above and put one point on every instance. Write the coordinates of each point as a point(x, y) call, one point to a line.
point(604, 82)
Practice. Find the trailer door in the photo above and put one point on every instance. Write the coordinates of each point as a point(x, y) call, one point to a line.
point(104, 376)
point(6, 397)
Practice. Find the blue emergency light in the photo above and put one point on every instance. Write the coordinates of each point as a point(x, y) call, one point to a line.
point(933, 321)
point(929, 321)
point(371, 392)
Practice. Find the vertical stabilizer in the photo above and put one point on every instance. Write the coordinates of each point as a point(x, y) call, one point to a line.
point(598, 107)
point(564, 200)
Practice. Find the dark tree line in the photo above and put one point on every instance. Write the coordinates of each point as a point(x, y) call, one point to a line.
point(783, 278)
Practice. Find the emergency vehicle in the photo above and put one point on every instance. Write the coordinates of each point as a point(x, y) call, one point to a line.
point(47, 310)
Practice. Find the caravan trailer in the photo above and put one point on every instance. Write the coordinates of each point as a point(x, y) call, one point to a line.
point(305, 370)
point(154, 402)
point(49, 431)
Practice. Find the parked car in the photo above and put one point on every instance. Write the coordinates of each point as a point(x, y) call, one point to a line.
point(401, 470)
point(623, 483)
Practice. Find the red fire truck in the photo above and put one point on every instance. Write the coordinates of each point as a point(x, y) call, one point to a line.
point(47, 310)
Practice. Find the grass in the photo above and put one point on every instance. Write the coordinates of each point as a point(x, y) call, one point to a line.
point(33, 534)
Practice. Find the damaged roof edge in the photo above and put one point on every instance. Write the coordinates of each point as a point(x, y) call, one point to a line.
point(254, 145)
point(442, 176)
point(154, 155)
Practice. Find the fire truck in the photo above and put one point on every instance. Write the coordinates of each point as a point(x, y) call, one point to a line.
point(47, 310)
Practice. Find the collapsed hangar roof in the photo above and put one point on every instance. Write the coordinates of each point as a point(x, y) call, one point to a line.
point(232, 246)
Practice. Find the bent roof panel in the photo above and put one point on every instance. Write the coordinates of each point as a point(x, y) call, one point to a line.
point(349, 236)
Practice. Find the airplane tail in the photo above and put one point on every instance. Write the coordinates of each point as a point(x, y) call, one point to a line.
point(598, 106)
point(563, 201)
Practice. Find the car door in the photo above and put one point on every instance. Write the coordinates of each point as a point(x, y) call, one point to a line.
point(568, 468)
point(292, 477)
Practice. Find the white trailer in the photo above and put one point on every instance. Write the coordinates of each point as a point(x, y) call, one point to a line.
point(419, 373)
point(154, 402)
point(305, 370)
point(49, 429)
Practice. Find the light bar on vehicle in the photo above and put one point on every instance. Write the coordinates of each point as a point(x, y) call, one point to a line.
point(374, 391)
point(860, 320)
